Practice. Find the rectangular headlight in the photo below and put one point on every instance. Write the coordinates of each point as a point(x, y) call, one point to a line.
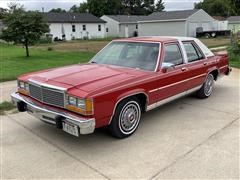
point(72, 101)
point(79, 105)
point(23, 87)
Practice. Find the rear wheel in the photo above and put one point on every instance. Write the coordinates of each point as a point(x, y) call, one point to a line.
point(207, 88)
point(126, 118)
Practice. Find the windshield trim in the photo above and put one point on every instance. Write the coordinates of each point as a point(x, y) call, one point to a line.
point(158, 58)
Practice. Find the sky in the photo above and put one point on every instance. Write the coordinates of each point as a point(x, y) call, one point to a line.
point(170, 5)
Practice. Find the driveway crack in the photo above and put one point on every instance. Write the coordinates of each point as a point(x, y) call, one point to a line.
point(191, 150)
point(59, 148)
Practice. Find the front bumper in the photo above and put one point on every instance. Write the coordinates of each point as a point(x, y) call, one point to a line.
point(53, 115)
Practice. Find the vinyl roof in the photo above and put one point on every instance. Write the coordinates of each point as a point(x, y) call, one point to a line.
point(71, 18)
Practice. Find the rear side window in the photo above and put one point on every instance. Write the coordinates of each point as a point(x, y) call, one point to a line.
point(193, 52)
point(172, 55)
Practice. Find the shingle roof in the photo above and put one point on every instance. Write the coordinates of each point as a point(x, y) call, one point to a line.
point(126, 18)
point(71, 18)
point(170, 15)
point(234, 19)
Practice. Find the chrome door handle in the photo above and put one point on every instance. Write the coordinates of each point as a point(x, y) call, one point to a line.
point(184, 69)
point(205, 63)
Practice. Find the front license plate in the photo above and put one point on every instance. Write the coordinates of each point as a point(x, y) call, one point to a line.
point(71, 129)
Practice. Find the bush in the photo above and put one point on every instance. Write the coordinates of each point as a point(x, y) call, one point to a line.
point(50, 48)
point(45, 40)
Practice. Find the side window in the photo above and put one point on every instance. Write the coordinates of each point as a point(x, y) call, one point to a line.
point(193, 53)
point(172, 55)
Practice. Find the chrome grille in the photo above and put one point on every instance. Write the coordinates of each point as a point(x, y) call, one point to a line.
point(53, 97)
point(47, 95)
point(35, 92)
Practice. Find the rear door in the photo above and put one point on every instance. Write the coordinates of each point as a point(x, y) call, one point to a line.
point(197, 64)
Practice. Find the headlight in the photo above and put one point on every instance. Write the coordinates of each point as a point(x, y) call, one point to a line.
point(80, 105)
point(23, 87)
point(72, 101)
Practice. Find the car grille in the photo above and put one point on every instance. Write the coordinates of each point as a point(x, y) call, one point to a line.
point(46, 95)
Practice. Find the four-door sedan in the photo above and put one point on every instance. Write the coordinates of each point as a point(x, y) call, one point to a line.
point(125, 79)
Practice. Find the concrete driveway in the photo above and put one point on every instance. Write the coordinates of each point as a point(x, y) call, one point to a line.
point(188, 138)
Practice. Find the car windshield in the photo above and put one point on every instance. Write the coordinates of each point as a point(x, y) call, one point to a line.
point(137, 55)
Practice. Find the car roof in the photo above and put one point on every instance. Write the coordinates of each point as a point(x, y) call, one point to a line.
point(161, 39)
point(167, 39)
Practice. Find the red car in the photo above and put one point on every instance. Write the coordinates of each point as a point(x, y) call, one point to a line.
point(125, 79)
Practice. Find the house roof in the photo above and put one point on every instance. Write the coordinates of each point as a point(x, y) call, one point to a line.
point(71, 18)
point(234, 19)
point(126, 18)
point(170, 15)
point(219, 18)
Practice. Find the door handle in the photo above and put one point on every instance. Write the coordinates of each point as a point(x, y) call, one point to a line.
point(205, 63)
point(184, 69)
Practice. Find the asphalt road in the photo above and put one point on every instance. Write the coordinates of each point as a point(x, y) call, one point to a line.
point(188, 138)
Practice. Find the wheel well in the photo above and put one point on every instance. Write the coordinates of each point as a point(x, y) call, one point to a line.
point(142, 99)
point(215, 74)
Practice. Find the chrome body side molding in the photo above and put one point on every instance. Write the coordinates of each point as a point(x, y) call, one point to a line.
point(167, 100)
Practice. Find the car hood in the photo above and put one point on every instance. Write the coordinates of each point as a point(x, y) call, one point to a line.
point(87, 77)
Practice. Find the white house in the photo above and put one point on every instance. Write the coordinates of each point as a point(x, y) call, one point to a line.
point(234, 23)
point(121, 25)
point(75, 25)
point(176, 23)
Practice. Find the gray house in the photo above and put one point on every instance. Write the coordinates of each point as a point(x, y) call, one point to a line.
point(176, 23)
point(234, 23)
point(121, 25)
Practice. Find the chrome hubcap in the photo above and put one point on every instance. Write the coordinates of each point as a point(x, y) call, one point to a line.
point(129, 117)
point(208, 87)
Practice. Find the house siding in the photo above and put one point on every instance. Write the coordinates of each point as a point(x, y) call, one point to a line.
point(112, 25)
point(58, 29)
point(234, 26)
point(162, 28)
point(200, 19)
point(127, 30)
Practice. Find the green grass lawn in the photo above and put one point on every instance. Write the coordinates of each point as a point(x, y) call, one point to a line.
point(14, 63)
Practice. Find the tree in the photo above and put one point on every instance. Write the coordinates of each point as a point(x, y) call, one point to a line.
point(58, 10)
point(23, 27)
point(82, 8)
point(217, 7)
point(159, 6)
point(3, 13)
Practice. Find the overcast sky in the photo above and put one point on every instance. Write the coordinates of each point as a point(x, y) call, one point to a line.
point(170, 5)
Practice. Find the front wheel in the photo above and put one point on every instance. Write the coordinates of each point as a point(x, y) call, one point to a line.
point(126, 118)
point(207, 88)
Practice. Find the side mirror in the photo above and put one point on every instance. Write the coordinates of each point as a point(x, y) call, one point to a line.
point(167, 66)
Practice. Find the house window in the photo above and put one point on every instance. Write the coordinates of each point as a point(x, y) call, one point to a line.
point(84, 27)
point(107, 30)
point(136, 26)
point(99, 28)
point(73, 28)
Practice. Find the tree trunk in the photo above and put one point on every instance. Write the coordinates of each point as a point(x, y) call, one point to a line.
point(26, 47)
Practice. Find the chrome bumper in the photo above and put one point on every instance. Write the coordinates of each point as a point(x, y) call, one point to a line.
point(53, 115)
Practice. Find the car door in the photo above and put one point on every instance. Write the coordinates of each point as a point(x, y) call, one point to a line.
point(173, 74)
point(197, 64)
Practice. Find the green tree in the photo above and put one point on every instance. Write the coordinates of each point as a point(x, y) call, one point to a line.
point(58, 10)
point(23, 27)
point(159, 6)
point(217, 7)
point(3, 12)
point(82, 8)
